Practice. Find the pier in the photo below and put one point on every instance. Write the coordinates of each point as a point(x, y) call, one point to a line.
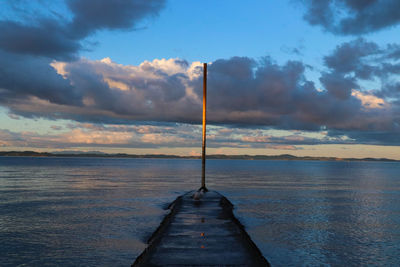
point(201, 232)
point(200, 229)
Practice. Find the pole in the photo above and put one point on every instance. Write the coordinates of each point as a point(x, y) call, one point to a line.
point(203, 152)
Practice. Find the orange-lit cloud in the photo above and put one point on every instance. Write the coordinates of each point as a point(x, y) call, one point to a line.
point(369, 101)
point(154, 138)
point(97, 137)
point(194, 153)
point(282, 147)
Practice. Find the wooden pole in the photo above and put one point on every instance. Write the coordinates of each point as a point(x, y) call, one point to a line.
point(203, 153)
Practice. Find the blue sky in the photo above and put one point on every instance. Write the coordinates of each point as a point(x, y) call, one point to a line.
point(205, 31)
point(285, 76)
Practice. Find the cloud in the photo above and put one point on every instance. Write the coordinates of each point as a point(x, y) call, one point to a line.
point(242, 92)
point(56, 128)
point(265, 93)
point(59, 37)
point(349, 56)
point(79, 136)
point(99, 135)
point(352, 17)
point(92, 15)
point(23, 75)
point(371, 137)
point(363, 70)
point(194, 153)
point(41, 75)
point(86, 135)
point(8, 138)
point(49, 38)
point(282, 147)
point(369, 101)
point(13, 116)
point(360, 91)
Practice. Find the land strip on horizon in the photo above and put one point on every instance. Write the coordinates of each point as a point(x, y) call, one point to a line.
point(160, 156)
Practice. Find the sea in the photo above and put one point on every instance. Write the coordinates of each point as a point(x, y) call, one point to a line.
point(101, 211)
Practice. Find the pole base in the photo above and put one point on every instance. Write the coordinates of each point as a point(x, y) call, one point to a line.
point(203, 188)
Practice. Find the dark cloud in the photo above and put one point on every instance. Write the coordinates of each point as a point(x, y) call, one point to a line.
point(348, 56)
point(274, 95)
point(48, 38)
point(360, 60)
point(348, 17)
point(22, 76)
point(370, 137)
point(391, 90)
point(338, 84)
point(57, 37)
point(93, 15)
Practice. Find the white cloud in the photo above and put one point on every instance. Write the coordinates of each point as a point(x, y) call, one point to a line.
point(59, 66)
point(117, 85)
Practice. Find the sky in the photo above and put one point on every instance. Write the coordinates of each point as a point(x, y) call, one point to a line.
point(300, 77)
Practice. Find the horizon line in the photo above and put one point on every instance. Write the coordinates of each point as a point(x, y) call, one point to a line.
point(31, 153)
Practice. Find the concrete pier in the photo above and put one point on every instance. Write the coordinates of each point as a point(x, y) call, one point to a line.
point(201, 232)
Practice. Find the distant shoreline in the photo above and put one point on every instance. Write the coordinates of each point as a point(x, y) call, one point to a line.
point(163, 156)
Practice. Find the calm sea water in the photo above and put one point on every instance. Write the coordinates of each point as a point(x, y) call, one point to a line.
point(100, 211)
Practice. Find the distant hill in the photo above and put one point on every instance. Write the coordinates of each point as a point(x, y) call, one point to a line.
point(214, 156)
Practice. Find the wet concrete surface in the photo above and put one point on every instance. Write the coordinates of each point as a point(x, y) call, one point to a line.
point(201, 232)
